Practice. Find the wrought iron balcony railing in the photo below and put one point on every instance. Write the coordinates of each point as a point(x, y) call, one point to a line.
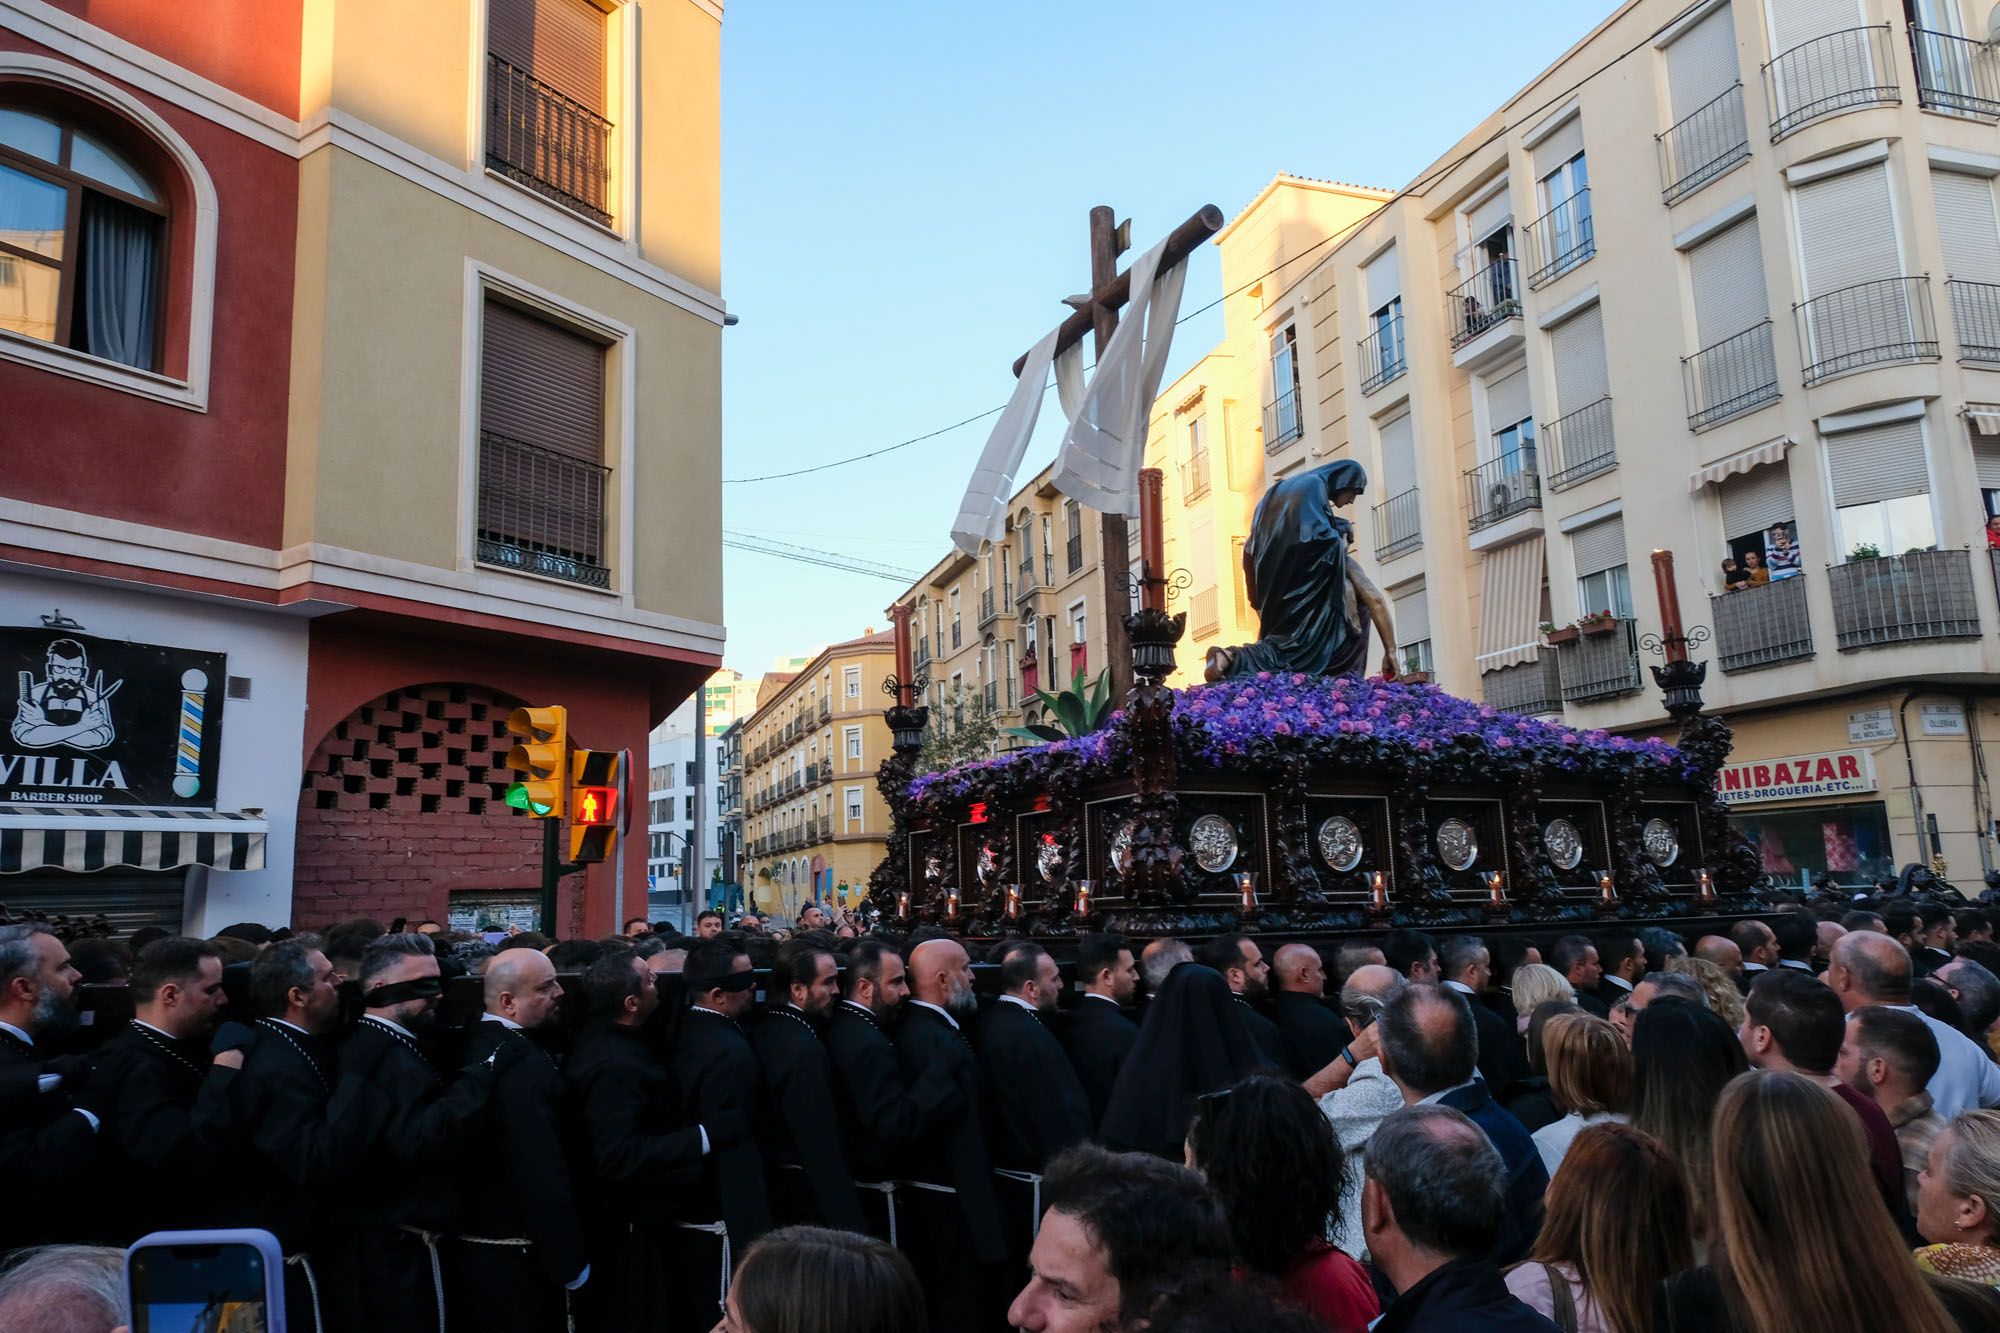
point(1703, 144)
point(1505, 486)
point(1562, 238)
point(1203, 616)
point(1382, 358)
point(1956, 75)
point(1897, 598)
point(1194, 477)
point(541, 511)
point(1866, 324)
point(1027, 584)
point(1398, 525)
point(1730, 377)
point(1073, 553)
point(1600, 666)
point(1842, 71)
point(1580, 444)
point(547, 141)
point(1489, 297)
point(988, 610)
point(1975, 312)
point(1282, 422)
point(1761, 626)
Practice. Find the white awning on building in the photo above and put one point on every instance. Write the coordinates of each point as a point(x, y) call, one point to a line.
point(1509, 604)
point(1984, 418)
point(83, 839)
point(1770, 451)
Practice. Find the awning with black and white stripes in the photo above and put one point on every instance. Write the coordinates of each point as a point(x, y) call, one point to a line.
point(83, 839)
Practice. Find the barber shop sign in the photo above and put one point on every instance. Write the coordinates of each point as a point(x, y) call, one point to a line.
point(104, 722)
point(1797, 777)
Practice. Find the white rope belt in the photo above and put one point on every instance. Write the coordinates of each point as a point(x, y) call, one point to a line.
point(304, 1264)
point(1034, 1183)
point(430, 1240)
point(887, 1189)
point(720, 1229)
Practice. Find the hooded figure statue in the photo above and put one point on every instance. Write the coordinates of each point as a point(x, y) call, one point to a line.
point(1314, 605)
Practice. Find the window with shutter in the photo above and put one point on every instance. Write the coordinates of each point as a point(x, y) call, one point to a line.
point(1507, 400)
point(1726, 272)
point(1881, 485)
point(1756, 500)
point(1860, 309)
point(1399, 456)
point(1967, 227)
point(1577, 345)
point(542, 485)
point(1602, 579)
point(546, 124)
point(1702, 65)
point(1412, 616)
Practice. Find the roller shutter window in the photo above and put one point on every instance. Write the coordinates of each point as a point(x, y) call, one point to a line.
point(1847, 230)
point(130, 898)
point(1599, 546)
point(1564, 143)
point(560, 42)
point(1507, 401)
point(1399, 456)
point(1967, 226)
point(1884, 462)
point(1986, 462)
point(1795, 22)
point(1726, 272)
point(542, 484)
point(1383, 280)
point(1577, 345)
point(1413, 617)
point(1757, 499)
point(1488, 218)
point(1702, 64)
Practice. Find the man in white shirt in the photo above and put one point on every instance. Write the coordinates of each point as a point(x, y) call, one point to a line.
point(1355, 1093)
point(1868, 968)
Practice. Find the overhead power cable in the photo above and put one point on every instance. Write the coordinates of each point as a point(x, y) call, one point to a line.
point(806, 555)
point(1415, 189)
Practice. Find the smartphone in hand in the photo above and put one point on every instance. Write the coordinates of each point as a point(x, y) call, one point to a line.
point(206, 1282)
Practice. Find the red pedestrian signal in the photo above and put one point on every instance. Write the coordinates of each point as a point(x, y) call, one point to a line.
point(593, 805)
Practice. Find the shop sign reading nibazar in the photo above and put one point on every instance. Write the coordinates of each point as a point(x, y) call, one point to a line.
point(1834, 773)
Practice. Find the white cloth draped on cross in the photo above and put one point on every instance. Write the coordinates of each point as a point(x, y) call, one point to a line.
point(1105, 444)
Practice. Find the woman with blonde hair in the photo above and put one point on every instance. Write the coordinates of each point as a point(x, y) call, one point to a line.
point(1537, 984)
point(1958, 1200)
point(1723, 997)
point(1616, 1224)
point(1590, 1078)
point(1802, 1241)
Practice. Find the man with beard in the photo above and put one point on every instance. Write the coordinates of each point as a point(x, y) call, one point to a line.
point(521, 1252)
point(719, 1080)
point(802, 1136)
point(1242, 965)
point(1097, 1034)
point(1039, 1107)
point(46, 1140)
point(159, 1151)
point(636, 1155)
point(881, 1115)
point(403, 1193)
point(953, 1218)
point(293, 1135)
point(1311, 1033)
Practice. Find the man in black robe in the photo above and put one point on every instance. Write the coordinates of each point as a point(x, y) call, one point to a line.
point(47, 1142)
point(719, 1079)
point(520, 1253)
point(810, 1180)
point(881, 1115)
point(403, 1196)
point(1039, 1107)
point(160, 1155)
point(954, 1236)
point(1241, 964)
point(636, 1154)
point(1465, 965)
point(296, 1140)
point(1097, 1034)
point(1310, 1033)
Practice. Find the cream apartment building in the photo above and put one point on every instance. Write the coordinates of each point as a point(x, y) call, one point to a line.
point(1723, 280)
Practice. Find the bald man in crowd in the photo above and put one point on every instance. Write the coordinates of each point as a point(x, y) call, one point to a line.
point(1159, 958)
point(1873, 969)
point(1310, 1033)
point(1722, 951)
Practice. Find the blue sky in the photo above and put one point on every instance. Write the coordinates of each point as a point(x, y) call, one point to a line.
point(906, 188)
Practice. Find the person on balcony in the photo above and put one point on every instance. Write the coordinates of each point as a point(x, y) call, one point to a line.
point(1733, 578)
point(1754, 568)
point(1781, 553)
point(1313, 603)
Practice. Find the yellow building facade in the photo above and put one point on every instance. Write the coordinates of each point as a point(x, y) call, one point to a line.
point(814, 823)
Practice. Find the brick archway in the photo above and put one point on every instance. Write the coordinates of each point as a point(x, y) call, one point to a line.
point(403, 802)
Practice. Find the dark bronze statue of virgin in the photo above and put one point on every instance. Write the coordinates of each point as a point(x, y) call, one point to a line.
point(1314, 605)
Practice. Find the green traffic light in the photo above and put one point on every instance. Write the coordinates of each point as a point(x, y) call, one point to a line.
point(517, 796)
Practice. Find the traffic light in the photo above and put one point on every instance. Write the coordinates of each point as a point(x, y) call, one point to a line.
point(542, 759)
point(596, 779)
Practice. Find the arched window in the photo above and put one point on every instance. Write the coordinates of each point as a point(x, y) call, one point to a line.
point(83, 237)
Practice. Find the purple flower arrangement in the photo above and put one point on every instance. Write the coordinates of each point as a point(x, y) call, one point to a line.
point(1335, 723)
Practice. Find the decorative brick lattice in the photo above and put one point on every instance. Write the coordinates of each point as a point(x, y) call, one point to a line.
point(404, 802)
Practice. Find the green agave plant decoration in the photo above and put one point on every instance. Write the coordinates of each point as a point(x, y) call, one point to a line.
point(1077, 711)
